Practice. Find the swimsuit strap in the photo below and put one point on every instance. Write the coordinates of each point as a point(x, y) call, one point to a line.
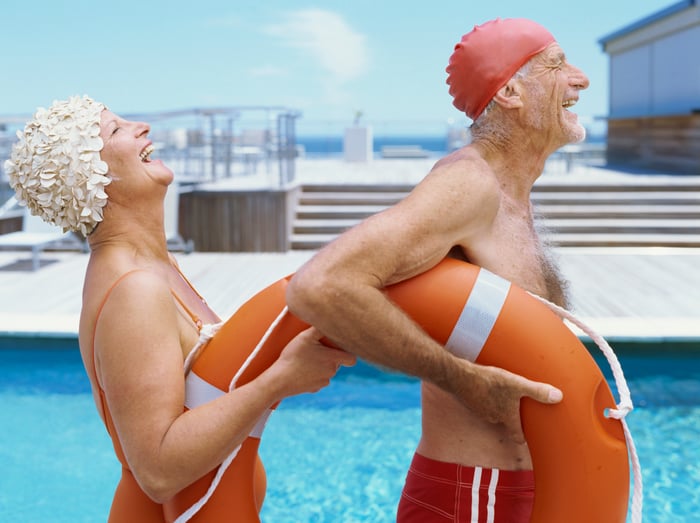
point(194, 317)
point(187, 281)
point(197, 321)
point(99, 312)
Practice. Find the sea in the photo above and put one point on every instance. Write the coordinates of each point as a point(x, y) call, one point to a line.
point(315, 146)
point(323, 146)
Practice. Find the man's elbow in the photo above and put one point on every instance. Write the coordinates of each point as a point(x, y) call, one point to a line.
point(306, 295)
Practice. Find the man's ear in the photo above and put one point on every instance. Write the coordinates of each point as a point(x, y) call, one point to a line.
point(508, 96)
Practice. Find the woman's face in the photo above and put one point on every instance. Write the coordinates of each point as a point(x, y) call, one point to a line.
point(127, 150)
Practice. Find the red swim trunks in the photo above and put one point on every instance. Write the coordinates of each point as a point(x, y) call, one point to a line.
point(441, 492)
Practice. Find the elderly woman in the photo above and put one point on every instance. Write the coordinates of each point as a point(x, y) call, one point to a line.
point(81, 167)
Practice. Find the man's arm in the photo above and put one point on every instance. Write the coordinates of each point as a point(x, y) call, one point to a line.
point(339, 291)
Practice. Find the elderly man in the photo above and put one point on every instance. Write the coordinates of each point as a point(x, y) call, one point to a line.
point(472, 464)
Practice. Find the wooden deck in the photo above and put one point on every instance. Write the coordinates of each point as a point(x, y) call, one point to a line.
point(625, 293)
point(645, 294)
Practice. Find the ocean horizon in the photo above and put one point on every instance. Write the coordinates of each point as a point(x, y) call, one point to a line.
point(434, 145)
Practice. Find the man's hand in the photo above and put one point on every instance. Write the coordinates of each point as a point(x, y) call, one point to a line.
point(494, 394)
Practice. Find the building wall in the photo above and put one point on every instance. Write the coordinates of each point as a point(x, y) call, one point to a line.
point(664, 143)
point(654, 111)
point(238, 220)
point(660, 77)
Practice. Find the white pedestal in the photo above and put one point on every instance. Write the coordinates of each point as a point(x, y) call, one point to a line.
point(358, 144)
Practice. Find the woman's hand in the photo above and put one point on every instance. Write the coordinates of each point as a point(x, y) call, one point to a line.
point(307, 365)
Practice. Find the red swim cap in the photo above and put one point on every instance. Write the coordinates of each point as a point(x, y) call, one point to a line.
point(488, 56)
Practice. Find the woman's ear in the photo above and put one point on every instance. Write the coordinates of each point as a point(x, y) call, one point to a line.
point(508, 96)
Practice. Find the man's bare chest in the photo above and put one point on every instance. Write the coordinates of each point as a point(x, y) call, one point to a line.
point(516, 252)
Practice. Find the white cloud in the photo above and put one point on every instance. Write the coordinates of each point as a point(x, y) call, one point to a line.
point(328, 39)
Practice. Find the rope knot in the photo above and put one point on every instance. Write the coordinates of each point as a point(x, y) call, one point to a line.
point(620, 412)
point(208, 331)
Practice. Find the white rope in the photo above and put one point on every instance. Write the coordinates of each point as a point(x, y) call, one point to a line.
point(187, 515)
point(206, 333)
point(623, 408)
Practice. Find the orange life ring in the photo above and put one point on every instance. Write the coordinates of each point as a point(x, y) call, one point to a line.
point(580, 457)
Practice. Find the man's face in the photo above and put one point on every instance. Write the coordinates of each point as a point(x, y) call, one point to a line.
point(552, 87)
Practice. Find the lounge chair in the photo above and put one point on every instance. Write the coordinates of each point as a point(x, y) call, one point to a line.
point(36, 235)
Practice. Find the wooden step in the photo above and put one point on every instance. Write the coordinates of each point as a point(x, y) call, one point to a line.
point(676, 184)
point(566, 225)
point(620, 197)
point(622, 226)
point(625, 240)
point(351, 198)
point(617, 198)
point(326, 212)
point(644, 213)
point(618, 211)
point(359, 187)
point(316, 241)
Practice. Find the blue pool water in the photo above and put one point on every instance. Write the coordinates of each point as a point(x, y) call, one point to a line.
point(337, 456)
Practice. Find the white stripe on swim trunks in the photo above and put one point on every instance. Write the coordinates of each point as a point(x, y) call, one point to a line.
point(478, 315)
point(490, 507)
point(476, 483)
point(491, 503)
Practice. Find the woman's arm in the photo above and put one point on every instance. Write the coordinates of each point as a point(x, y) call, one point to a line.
point(140, 368)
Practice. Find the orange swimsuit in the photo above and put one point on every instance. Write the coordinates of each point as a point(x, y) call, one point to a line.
point(130, 503)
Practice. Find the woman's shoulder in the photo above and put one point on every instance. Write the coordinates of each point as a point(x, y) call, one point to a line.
point(105, 273)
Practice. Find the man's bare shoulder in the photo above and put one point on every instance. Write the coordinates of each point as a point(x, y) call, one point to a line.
point(465, 173)
point(466, 160)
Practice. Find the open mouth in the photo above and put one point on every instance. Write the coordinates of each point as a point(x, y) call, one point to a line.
point(146, 153)
point(568, 103)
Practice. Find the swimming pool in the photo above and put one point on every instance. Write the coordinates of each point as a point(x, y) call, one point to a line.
point(336, 456)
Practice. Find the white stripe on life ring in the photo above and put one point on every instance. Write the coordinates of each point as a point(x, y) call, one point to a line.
point(260, 425)
point(199, 391)
point(478, 315)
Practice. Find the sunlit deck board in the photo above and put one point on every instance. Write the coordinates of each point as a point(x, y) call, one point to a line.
point(627, 293)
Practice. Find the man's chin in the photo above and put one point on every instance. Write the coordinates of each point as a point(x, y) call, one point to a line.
point(577, 134)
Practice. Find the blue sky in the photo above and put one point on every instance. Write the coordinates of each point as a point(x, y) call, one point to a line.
point(327, 59)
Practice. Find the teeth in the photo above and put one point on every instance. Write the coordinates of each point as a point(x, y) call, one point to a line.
point(146, 153)
point(569, 103)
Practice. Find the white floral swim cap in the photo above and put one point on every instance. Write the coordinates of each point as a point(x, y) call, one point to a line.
point(55, 167)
